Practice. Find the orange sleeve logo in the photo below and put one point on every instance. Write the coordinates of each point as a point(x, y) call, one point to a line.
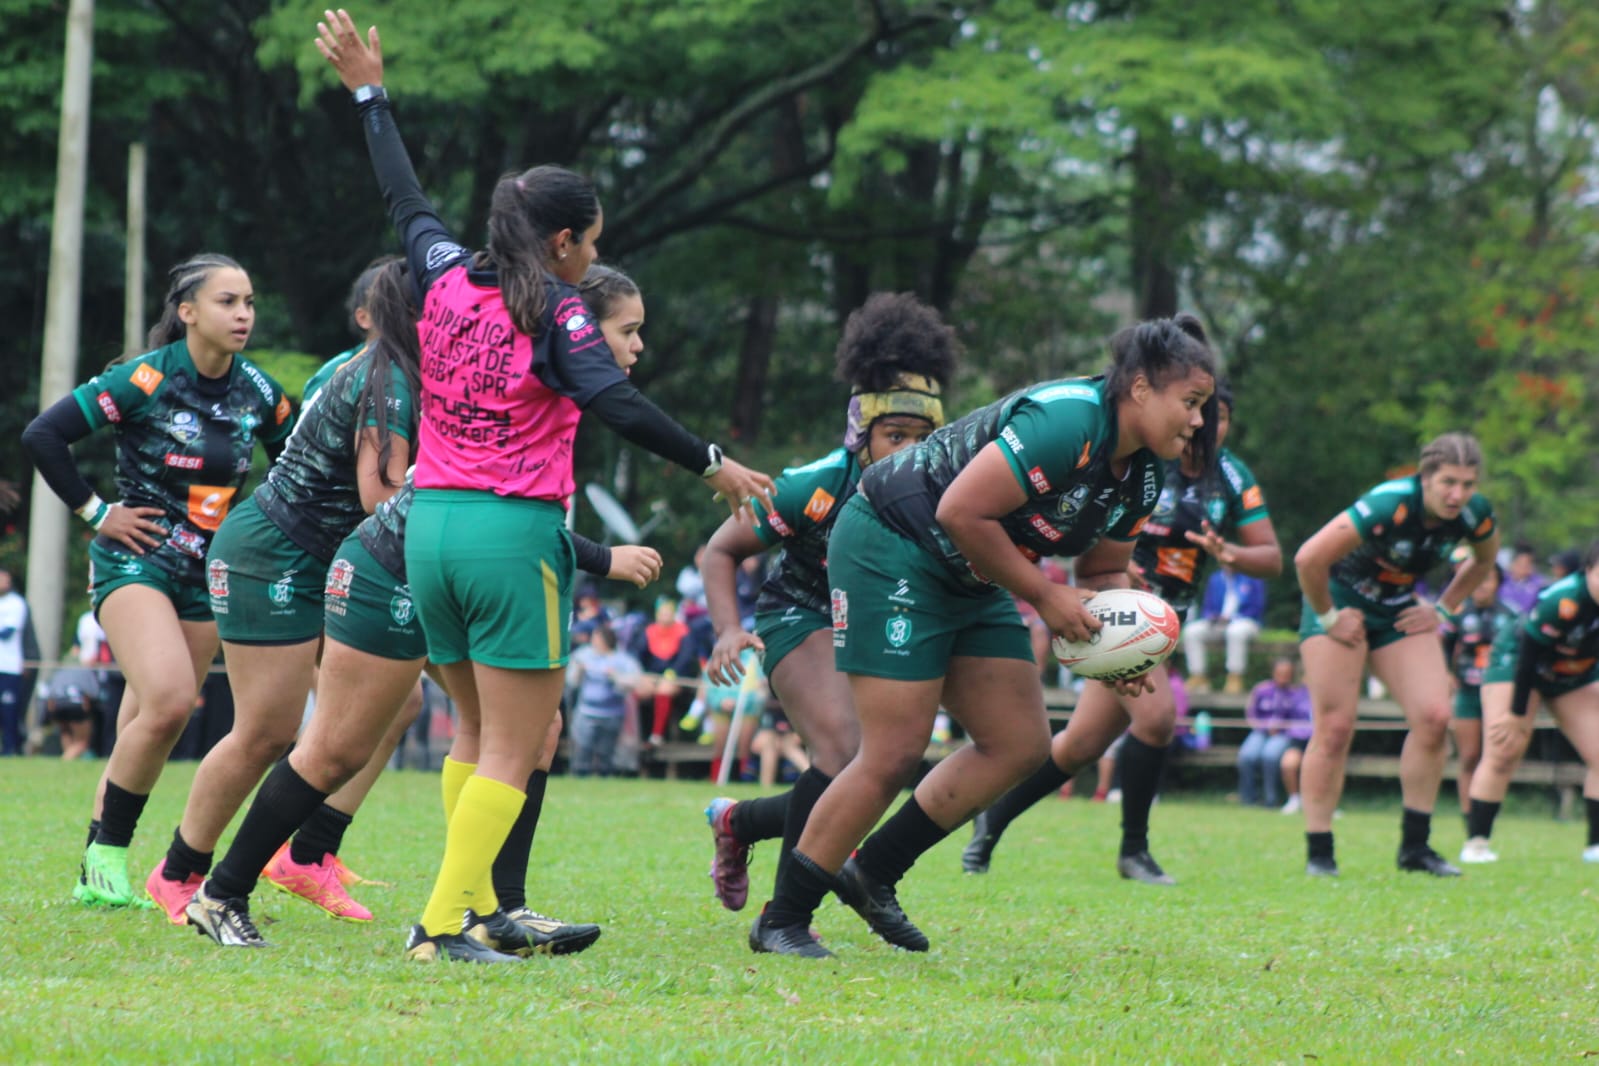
point(820, 503)
point(1484, 527)
point(1568, 610)
point(283, 410)
point(1082, 460)
point(146, 378)
point(208, 505)
point(1399, 514)
point(1253, 498)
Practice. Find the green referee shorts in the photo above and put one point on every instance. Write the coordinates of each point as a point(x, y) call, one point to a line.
point(492, 578)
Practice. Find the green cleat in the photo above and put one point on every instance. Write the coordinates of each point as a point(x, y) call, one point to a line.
point(103, 879)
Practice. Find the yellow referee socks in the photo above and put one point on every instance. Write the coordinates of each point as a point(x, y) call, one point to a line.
point(482, 820)
point(454, 775)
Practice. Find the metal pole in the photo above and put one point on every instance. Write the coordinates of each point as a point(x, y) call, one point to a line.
point(133, 265)
point(58, 365)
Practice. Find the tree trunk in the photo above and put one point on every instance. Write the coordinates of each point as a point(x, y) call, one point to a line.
point(1154, 221)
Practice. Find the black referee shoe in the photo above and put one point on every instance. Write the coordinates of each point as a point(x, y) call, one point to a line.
point(1425, 860)
point(449, 947)
point(1141, 866)
point(877, 904)
point(785, 940)
point(980, 849)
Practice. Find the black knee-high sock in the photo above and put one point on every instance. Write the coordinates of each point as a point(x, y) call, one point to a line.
point(94, 830)
point(1045, 780)
point(509, 871)
point(893, 849)
point(799, 893)
point(1141, 769)
point(321, 835)
point(1319, 845)
point(759, 819)
point(1415, 827)
point(1593, 819)
point(808, 788)
point(1480, 819)
point(183, 861)
point(284, 801)
point(119, 816)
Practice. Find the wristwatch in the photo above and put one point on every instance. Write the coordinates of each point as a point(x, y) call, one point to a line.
point(714, 467)
point(369, 92)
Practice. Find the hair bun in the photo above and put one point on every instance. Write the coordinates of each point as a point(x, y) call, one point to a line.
point(1191, 325)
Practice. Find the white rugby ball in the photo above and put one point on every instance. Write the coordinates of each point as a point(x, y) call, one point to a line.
point(1139, 631)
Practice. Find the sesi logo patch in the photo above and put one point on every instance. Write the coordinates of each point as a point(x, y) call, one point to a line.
point(1045, 530)
point(108, 407)
point(184, 462)
point(1039, 481)
point(146, 378)
point(208, 505)
point(779, 526)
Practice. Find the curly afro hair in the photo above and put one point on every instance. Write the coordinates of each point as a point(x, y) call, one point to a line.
point(894, 333)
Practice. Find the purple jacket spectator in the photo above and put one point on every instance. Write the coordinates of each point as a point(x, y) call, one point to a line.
point(1280, 710)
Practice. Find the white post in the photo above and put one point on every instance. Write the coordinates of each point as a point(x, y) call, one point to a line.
point(58, 366)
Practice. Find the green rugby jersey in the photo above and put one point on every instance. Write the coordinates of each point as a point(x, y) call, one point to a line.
point(807, 501)
point(311, 492)
point(1058, 438)
point(183, 442)
point(325, 372)
point(1229, 498)
point(1397, 546)
point(1564, 624)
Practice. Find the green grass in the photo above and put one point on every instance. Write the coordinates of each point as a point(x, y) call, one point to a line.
point(1050, 958)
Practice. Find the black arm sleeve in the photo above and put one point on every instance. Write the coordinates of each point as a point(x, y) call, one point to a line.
point(430, 249)
point(48, 440)
point(631, 415)
point(1528, 655)
point(592, 557)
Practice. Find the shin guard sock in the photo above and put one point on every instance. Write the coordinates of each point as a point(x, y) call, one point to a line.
point(1415, 827)
point(799, 893)
point(483, 816)
point(1141, 766)
point(182, 860)
point(320, 836)
point(894, 848)
point(1045, 781)
point(284, 801)
point(509, 872)
point(451, 777)
point(751, 821)
point(1480, 819)
point(1319, 845)
point(119, 816)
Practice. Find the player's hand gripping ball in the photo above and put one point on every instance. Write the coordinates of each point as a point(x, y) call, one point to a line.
point(1139, 631)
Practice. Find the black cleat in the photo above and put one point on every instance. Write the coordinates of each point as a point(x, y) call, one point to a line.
point(1141, 866)
point(449, 947)
point(551, 936)
point(1425, 860)
point(1321, 866)
point(785, 940)
point(879, 907)
point(980, 849)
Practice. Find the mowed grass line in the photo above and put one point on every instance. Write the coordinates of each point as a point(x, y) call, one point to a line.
point(1049, 958)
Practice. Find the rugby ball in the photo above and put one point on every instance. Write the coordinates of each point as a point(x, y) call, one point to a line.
point(1139, 630)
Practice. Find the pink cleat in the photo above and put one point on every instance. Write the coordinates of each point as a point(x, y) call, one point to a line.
point(317, 884)
point(172, 896)
point(730, 873)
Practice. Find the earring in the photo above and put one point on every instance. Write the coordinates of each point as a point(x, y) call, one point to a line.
point(563, 255)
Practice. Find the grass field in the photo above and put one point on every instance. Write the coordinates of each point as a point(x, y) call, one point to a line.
point(1050, 958)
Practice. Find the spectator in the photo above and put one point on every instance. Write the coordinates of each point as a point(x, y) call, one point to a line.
point(1522, 582)
point(1268, 761)
point(603, 675)
point(14, 624)
point(1562, 564)
point(666, 657)
point(68, 700)
point(690, 585)
point(748, 697)
point(94, 647)
point(1234, 607)
point(776, 743)
point(588, 613)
